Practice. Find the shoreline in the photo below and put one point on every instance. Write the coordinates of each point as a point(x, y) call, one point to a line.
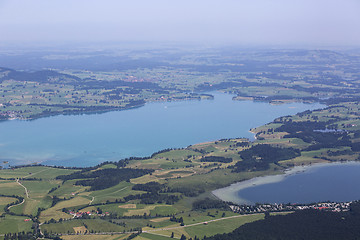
point(104, 109)
point(230, 193)
point(72, 113)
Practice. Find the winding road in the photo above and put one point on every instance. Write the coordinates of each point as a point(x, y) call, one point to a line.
point(26, 191)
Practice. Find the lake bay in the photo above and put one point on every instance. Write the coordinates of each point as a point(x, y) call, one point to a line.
point(86, 140)
point(323, 182)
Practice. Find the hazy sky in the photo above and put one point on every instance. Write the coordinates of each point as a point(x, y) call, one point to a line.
point(255, 22)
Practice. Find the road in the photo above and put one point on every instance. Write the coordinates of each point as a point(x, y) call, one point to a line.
point(152, 231)
point(17, 204)
point(26, 191)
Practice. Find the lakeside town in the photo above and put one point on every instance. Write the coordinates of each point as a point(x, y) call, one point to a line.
point(262, 208)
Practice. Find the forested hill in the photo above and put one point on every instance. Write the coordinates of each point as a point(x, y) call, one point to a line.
point(45, 76)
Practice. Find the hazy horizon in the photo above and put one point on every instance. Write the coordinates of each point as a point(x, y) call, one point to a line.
point(248, 23)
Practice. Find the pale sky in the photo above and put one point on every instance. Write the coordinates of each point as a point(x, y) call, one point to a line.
point(255, 22)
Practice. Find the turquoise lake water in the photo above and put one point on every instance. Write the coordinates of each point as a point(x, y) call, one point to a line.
point(337, 182)
point(86, 140)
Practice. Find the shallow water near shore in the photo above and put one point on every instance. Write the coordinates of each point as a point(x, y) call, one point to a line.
point(86, 140)
point(321, 182)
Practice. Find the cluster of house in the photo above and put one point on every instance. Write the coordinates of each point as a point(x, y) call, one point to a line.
point(261, 208)
point(88, 213)
point(350, 125)
point(10, 115)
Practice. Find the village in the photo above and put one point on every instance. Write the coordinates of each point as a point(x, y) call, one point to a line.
point(262, 208)
point(81, 214)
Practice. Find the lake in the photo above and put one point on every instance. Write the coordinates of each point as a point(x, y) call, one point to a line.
point(322, 182)
point(86, 140)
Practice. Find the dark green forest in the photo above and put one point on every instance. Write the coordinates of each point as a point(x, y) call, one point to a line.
point(259, 157)
point(301, 225)
point(104, 178)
